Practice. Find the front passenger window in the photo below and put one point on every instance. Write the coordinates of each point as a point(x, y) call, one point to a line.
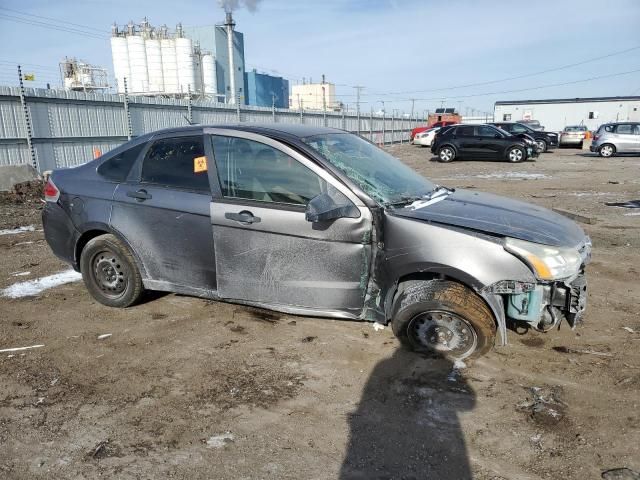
point(256, 171)
point(177, 162)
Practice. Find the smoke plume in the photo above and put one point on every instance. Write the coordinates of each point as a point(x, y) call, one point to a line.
point(231, 5)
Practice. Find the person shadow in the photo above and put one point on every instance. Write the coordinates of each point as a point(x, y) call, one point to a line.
point(406, 425)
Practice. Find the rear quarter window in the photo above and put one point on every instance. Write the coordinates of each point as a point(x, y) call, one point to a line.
point(117, 168)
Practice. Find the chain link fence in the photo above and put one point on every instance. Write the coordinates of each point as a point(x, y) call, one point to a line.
point(56, 129)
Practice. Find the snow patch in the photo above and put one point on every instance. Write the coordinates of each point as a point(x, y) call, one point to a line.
point(634, 214)
point(14, 231)
point(20, 274)
point(513, 175)
point(34, 287)
point(219, 441)
point(378, 326)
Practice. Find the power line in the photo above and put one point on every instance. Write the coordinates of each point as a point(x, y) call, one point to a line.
point(60, 28)
point(531, 88)
point(517, 77)
point(86, 27)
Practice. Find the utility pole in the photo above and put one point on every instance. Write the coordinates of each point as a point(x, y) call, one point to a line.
point(413, 104)
point(27, 121)
point(189, 106)
point(358, 89)
point(273, 106)
point(300, 106)
point(324, 104)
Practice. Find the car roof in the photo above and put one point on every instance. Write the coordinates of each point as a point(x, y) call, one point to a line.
point(295, 130)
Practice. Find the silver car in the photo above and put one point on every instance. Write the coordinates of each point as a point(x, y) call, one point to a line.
point(613, 138)
point(573, 135)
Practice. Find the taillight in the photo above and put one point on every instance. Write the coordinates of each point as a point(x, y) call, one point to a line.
point(51, 192)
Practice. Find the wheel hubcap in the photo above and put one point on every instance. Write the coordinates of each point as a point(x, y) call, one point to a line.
point(109, 274)
point(606, 151)
point(540, 146)
point(515, 155)
point(446, 154)
point(444, 332)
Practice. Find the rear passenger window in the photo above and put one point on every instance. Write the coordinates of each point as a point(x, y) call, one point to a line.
point(465, 131)
point(117, 168)
point(177, 162)
point(624, 129)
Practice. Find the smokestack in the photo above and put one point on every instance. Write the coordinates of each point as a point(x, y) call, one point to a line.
point(232, 70)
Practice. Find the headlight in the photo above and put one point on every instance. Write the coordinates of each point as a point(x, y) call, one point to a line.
point(548, 263)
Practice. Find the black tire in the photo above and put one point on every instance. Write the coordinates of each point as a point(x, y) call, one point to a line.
point(607, 150)
point(542, 145)
point(424, 309)
point(110, 272)
point(516, 155)
point(446, 154)
point(581, 145)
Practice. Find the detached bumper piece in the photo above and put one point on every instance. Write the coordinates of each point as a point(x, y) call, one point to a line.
point(544, 306)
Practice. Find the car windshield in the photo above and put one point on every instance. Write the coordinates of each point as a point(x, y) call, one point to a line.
point(575, 129)
point(384, 178)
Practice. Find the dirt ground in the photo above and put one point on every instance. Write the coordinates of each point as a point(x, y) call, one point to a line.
point(188, 388)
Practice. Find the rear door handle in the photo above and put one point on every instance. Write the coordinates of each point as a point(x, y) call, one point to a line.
point(245, 217)
point(140, 195)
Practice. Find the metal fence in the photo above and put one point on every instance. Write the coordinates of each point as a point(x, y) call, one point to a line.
point(55, 129)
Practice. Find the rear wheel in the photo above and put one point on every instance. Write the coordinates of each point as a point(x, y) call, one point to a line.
point(442, 317)
point(607, 150)
point(446, 154)
point(516, 155)
point(110, 273)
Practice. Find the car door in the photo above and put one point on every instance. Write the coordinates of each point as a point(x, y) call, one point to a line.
point(266, 252)
point(162, 210)
point(624, 137)
point(469, 145)
point(635, 138)
point(491, 141)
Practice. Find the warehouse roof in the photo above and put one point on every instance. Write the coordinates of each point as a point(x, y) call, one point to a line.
point(570, 100)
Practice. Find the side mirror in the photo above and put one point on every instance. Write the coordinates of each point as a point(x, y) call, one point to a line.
point(325, 207)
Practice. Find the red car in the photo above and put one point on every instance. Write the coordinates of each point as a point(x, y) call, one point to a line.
point(417, 130)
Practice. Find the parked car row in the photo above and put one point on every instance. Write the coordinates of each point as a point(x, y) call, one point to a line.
point(482, 142)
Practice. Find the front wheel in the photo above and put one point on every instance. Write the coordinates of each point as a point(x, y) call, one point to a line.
point(541, 145)
point(516, 155)
point(442, 317)
point(110, 273)
point(446, 154)
point(607, 150)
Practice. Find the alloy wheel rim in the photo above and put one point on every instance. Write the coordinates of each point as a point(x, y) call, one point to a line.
point(515, 155)
point(446, 154)
point(540, 144)
point(445, 333)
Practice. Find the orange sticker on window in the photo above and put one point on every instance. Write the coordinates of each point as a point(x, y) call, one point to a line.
point(199, 164)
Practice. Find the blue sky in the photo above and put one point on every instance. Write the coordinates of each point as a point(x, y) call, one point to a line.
point(397, 49)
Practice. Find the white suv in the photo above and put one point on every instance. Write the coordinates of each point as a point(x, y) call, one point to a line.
point(612, 138)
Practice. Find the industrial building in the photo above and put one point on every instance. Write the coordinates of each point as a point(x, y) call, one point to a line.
point(189, 60)
point(313, 96)
point(262, 90)
point(81, 76)
point(555, 114)
point(215, 39)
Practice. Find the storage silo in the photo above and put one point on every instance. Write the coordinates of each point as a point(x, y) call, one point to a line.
point(137, 64)
point(120, 56)
point(210, 86)
point(169, 67)
point(154, 65)
point(185, 64)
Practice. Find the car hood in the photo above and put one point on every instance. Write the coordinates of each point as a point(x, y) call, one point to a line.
point(500, 216)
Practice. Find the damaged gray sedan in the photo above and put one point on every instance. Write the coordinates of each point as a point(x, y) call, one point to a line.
point(319, 222)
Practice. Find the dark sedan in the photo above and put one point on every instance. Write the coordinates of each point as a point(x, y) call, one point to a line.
point(314, 221)
point(480, 142)
point(544, 140)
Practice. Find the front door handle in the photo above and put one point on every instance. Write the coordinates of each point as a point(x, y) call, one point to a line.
point(140, 195)
point(245, 217)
